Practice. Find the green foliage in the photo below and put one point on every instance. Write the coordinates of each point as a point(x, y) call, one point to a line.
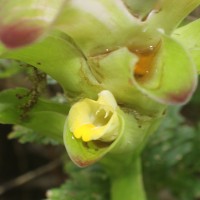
point(44, 116)
point(171, 159)
point(89, 184)
point(26, 135)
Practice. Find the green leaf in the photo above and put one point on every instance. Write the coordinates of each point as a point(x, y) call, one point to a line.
point(89, 184)
point(189, 36)
point(46, 117)
point(26, 135)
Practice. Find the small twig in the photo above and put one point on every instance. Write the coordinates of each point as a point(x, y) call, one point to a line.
point(20, 180)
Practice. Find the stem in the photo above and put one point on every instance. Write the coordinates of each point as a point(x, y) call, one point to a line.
point(126, 181)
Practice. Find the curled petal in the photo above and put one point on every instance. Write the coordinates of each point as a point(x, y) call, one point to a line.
point(22, 22)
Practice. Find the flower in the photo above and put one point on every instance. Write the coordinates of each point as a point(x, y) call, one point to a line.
point(95, 120)
point(92, 128)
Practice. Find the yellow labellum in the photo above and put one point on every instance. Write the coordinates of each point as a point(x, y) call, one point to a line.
point(85, 132)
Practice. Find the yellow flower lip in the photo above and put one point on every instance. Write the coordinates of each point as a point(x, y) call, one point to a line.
point(85, 132)
point(95, 120)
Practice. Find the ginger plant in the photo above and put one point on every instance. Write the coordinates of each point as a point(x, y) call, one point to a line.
point(120, 63)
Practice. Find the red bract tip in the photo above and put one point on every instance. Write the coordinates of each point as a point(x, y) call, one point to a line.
point(18, 34)
point(82, 163)
point(182, 97)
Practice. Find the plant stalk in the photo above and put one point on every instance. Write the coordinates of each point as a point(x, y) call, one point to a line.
point(126, 180)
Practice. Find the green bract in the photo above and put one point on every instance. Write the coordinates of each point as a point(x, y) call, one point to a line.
point(189, 37)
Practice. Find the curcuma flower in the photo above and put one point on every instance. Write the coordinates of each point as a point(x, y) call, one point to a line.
point(92, 125)
point(94, 129)
point(95, 120)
